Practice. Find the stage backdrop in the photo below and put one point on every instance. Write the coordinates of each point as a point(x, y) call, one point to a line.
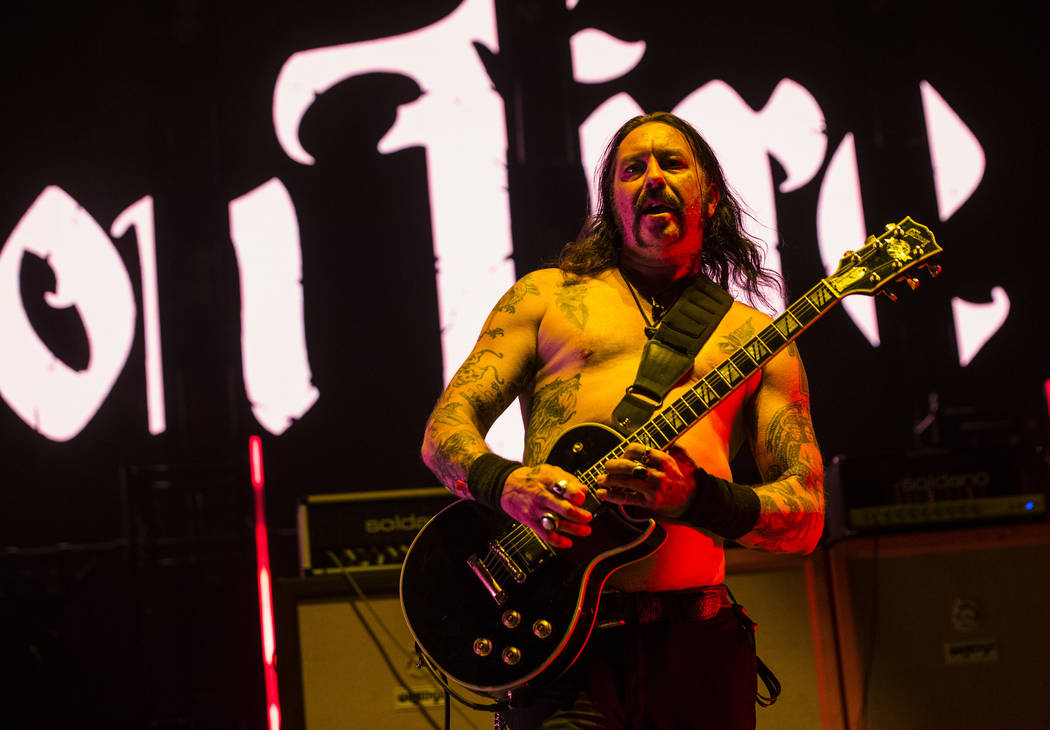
point(290, 220)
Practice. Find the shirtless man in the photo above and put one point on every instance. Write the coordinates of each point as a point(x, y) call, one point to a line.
point(567, 341)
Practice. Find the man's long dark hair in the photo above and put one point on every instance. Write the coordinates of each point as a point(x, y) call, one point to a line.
point(729, 255)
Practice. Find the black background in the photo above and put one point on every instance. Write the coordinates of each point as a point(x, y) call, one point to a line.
point(128, 583)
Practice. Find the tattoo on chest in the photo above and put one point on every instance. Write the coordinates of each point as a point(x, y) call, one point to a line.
point(737, 338)
point(572, 303)
point(552, 407)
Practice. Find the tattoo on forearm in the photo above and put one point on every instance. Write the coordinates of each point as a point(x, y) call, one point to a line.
point(570, 299)
point(552, 407)
point(494, 332)
point(454, 454)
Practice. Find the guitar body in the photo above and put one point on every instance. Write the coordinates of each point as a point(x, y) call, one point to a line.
point(543, 612)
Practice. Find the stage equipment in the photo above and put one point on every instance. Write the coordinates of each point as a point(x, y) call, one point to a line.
point(877, 493)
point(366, 532)
point(944, 629)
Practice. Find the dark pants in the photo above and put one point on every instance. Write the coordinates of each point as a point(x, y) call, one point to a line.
point(656, 676)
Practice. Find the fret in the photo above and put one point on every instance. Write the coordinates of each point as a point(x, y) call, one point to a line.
point(717, 383)
point(683, 403)
point(729, 372)
point(706, 393)
point(675, 420)
point(787, 324)
point(756, 350)
point(822, 295)
point(804, 311)
point(772, 339)
point(655, 422)
point(743, 362)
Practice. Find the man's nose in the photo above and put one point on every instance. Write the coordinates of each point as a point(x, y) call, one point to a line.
point(654, 176)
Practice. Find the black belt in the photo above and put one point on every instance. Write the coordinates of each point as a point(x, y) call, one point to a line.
point(693, 604)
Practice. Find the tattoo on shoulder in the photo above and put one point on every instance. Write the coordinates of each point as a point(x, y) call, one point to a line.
point(572, 302)
point(515, 295)
point(737, 338)
point(552, 407)
point(494, 333)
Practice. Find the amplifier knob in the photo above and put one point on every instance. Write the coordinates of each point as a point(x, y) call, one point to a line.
point(482, 647)
point(511, 619)
point(511, 655)
point(542, 628)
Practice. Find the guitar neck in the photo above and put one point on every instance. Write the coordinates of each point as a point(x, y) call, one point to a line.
point(671, 421)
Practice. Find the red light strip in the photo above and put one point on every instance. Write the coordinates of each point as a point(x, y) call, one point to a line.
point(262, 561)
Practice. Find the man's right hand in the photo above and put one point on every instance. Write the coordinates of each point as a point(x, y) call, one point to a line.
point(532, 493)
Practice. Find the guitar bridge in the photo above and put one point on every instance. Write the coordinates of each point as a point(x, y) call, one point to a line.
point(508, 562)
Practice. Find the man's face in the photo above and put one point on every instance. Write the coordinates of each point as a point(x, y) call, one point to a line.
point(661, 196)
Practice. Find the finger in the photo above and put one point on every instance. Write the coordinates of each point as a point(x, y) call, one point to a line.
point(569, 513)
point(622, 467)
point(620, 495)
point(569, 490)
point(645, 454)
point(555, 530)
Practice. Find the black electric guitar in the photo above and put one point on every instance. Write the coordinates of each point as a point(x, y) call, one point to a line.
point(499, 611)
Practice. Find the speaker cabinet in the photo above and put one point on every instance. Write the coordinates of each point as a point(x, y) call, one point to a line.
point(336, 661)
point(945, 629)
point(788, 598)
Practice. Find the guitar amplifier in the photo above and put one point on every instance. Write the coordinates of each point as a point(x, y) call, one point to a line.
point(876, 493)
point(363, 532)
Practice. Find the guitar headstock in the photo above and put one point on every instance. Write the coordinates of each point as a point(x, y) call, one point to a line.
point(885, 259)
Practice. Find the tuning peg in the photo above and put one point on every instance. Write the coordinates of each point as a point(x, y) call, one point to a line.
point(933, 269)
point(912, 282)
point(889, 295)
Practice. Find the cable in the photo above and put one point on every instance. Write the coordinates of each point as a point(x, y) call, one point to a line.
point(397, 642)
point(375, 640)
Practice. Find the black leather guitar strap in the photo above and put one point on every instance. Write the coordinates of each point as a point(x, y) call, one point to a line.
point(669, 353)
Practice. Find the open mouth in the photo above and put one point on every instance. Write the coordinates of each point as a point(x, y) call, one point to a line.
point(656, 208)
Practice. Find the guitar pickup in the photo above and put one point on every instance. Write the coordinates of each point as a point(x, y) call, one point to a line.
point(485, 576)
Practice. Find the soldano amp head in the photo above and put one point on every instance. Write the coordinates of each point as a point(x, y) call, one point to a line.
point(932, 488)
point(366, 532)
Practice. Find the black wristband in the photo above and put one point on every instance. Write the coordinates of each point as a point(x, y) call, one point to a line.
point(486, 477)
point(726, 509)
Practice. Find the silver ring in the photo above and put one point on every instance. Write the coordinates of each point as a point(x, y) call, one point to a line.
point(559, 488)
point(639, 471)
point(549, 522)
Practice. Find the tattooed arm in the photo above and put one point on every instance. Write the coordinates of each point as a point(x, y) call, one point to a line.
point(503, 362)
point(786, 451)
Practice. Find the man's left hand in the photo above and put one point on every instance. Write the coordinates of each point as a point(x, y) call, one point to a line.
point(648, 478)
